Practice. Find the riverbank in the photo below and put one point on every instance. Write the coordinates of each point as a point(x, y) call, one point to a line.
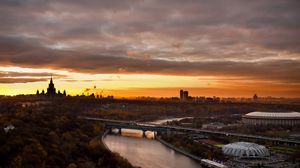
point(102, 140)
point(178, 150)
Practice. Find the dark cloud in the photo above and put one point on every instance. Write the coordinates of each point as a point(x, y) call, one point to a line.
point(21, 80)
point(253, 39)
point(25, 77)
point(286, 70)
point(29, 74)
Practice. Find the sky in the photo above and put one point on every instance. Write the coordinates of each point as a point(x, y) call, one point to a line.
point(128, 48)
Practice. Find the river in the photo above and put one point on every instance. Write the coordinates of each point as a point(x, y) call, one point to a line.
point(146, 152)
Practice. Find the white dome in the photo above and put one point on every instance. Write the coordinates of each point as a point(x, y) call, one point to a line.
point(245, 149)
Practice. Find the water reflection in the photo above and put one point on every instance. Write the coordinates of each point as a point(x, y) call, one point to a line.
point(145, 152)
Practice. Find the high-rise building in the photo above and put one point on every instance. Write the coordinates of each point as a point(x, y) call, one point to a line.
point(184, 95)
point(181, 94)
point(51, 91)
point(255, 97)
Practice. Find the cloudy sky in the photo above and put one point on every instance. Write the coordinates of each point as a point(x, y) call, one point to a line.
point(151, 47)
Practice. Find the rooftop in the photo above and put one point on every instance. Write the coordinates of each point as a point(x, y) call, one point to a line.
point(274, 114)
point(245, 149)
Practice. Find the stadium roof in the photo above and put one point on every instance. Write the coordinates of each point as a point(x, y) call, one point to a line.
point(259, 114)
point(245, 149)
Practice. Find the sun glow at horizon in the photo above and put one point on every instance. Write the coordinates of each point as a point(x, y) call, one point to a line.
point(133, 85)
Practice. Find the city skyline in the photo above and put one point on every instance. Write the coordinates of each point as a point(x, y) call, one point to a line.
point(151, 48)
point(143, 92)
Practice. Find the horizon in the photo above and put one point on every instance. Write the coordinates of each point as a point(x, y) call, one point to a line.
point(138, 93)
point(151, 48)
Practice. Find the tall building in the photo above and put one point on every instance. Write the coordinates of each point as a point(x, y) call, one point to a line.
point(181, 94)
point(184, 95)
point(255, 97)
point(51, 91)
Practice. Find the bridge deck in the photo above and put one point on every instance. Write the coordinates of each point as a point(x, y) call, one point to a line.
point(157, 127)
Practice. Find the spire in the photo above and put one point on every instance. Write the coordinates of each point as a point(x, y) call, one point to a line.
point(51, 81)
point(51, 89)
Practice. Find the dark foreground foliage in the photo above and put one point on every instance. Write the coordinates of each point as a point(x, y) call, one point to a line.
point(51, 135)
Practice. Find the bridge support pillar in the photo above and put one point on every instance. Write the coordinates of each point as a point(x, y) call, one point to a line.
point(144, 134)
point(120, 131)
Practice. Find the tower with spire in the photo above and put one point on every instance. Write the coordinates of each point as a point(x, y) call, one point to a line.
point(51, 91)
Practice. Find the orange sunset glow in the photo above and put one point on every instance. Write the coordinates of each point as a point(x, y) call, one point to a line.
point(149, 83)
point(151, 48)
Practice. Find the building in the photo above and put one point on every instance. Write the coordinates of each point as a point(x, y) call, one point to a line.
point(272, 118)
point(212, 164)
point(255, 97)
point(181, 94)
point(184, 95)
point(9, 128)
point(213, 126)
point(51, 90)
point(245, 150)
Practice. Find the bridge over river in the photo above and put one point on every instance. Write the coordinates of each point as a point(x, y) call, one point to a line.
point(119, 124)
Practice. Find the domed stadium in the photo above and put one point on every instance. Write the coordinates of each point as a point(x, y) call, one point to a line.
point(245, 150)
point(272, 118)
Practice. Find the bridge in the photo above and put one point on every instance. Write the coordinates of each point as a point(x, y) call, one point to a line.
point(119, 124)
